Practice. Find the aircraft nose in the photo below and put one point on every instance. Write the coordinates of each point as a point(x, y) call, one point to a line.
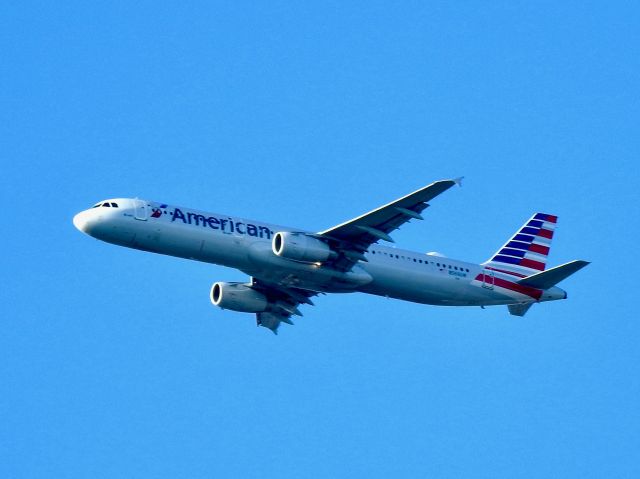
point(81, 222)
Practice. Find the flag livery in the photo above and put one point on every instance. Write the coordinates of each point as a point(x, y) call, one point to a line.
point(527, 251)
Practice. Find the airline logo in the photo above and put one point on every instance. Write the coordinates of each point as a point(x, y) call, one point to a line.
point(226, 225)
point(529, 247)
point(157, 212)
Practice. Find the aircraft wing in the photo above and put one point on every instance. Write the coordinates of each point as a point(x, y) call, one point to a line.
point(354, 237)
point(286, 301)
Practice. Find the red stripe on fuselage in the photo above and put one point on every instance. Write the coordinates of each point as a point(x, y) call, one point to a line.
point(503, 283)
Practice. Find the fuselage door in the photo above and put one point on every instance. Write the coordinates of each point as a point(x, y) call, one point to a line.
point(140, 208)
point(487, 279)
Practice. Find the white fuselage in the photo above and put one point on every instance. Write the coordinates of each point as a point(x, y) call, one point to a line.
point(246, 245)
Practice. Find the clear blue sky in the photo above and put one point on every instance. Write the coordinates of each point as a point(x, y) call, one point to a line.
point(115, 364)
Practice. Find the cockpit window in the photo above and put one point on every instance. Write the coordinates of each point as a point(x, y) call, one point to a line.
point(106, 204)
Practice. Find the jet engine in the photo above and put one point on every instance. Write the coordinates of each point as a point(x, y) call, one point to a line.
point(301, 247)
point(238, 297)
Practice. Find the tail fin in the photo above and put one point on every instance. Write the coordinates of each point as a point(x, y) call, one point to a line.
point(526, 252)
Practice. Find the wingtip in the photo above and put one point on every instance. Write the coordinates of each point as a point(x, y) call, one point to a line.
point(458, 180)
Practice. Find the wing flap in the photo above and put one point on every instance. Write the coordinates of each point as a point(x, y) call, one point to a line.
point(284, 303)
point(271, 321)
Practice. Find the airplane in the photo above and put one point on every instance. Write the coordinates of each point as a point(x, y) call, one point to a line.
point(288, 266)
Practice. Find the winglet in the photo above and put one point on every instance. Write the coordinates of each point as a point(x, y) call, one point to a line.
point(458, 180)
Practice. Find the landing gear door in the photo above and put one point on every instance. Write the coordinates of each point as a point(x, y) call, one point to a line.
point(140, 208)
point(488, 279)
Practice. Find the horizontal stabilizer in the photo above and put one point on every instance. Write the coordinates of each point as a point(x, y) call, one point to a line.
point(519, 309)
point(553, 276)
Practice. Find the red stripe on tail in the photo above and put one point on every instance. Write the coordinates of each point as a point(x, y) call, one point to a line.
point(529, 263)
point(545, 233)
point(538, 248)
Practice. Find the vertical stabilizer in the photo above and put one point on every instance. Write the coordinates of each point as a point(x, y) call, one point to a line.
point(519, 309)
point(526, 252)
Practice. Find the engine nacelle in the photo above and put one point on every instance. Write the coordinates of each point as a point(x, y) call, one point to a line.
point(238, 297)
point(300, 247)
